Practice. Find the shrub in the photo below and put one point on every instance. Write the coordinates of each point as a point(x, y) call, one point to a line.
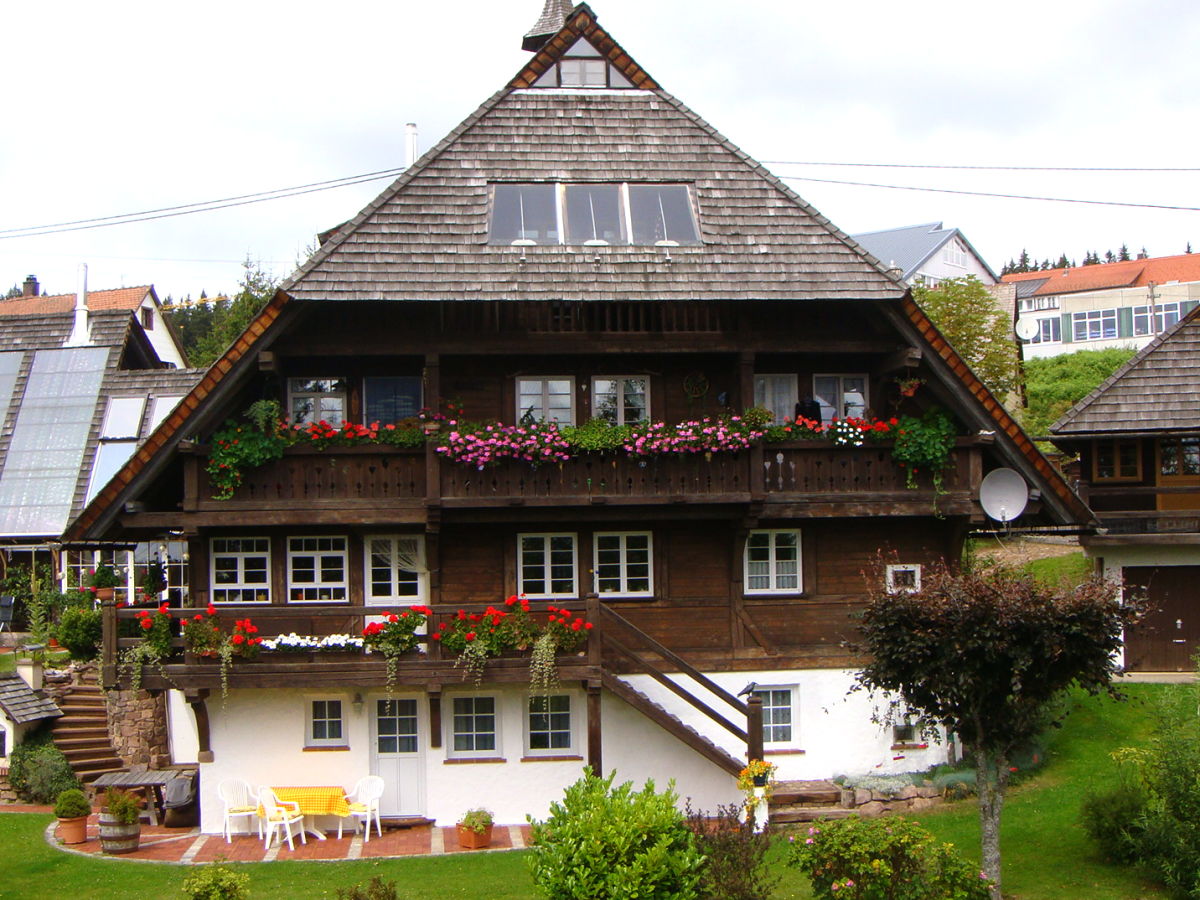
point(216, 881)
point(122, 806)
point(606, 843)
point(888, 858)
point(79, 630)
point(38, 771)
point(734, 855)
point(72, 804)
point(1112, 819)
point(376, 889)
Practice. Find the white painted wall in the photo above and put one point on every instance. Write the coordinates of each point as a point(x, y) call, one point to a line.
point(181, 729)
point(160, 338)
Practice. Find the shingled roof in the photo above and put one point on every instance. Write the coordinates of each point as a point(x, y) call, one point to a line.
point(549, 23)
point(1156, 392)
point(426, 236)
point(23, 704)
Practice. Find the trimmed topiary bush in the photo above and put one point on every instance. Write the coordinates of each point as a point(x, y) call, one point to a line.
point(606, 843)
point(79, 630)
point(72, 804)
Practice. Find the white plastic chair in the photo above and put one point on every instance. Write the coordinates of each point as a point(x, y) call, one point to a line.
point(280, 815)
point(237, 800)
point(364, 804)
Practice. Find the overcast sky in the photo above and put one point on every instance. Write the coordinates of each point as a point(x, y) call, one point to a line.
point(120, 107)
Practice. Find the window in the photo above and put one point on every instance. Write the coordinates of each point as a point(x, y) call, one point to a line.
point(549, 725)
point(388, 400)
point(592, 213)
point(1165, 315)
point(840, 396)
point(777, 708)
point(621, 400)
point(550, 399)
point(240, 570)
point(396, 571)
point(1179, 456)
point(955, 254)
point(396, 726)
point(473, 727)
point(79, 565)
point(1049, 331)
point(623, 564)
point(546, 565)
point(904, 578)
point(172, 557)
point(147, 318)
point(316, 569)
point(773, 562)
point(123, 417)
point(582, 66)
point(1035, 303)
point(1094, 325)
point(325, 724)
point(1116, 461)
point(316, 400)
point(776, 393)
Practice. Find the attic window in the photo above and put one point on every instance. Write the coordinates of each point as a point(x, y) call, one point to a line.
point(591, 214)
point(583, 66)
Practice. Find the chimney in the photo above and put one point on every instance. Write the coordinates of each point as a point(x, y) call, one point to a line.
point(80, 333)
point(410, 144)
point(30, 288)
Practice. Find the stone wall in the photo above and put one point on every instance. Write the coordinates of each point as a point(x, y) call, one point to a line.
point(137, 728)
point(869, 803)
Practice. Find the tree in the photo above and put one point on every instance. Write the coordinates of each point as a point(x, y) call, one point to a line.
point(1056, 383)
point(983, 654)
point(978, 329)
point(1123, 254)
point(209, 328)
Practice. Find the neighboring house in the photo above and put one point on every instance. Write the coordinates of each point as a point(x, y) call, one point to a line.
point(927, 254)
point(1138, 440)
point(79, 389)
point(582, 246)
point(22, 709)
point(1122, 304)
point(142, 302)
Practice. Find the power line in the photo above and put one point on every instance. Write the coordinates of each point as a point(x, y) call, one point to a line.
point(902, 187)
point(865, 165)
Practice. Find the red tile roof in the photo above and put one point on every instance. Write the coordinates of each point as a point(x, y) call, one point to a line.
point(1134, 273)
point(122, 298)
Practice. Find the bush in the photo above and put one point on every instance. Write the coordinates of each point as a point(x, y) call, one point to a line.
point(1113, 820)
point(734, 856)
point(606, 843)
point(72, 804)
point(79, 630)
point(376, 889)
point(888, 858)
point(38, 771)
point(216, 881)
point(122, 806)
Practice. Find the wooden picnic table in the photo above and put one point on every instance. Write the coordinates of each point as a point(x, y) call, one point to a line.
point(153, 780)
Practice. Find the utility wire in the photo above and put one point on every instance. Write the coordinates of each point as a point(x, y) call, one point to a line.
point(858, 165)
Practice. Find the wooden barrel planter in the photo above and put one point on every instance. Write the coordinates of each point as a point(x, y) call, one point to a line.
point(117, 837)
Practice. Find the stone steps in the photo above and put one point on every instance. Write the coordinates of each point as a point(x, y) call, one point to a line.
point(81, 733)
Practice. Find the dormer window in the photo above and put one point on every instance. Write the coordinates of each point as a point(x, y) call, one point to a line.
point(592, 214)
point(582, 66)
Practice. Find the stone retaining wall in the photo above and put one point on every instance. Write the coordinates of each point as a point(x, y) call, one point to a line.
point(869, 803)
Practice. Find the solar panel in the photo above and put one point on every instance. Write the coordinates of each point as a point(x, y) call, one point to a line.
point(41, 470)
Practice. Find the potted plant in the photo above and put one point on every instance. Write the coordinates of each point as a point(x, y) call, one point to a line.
point(396, 635)
point(157, 630)
point(120, 827)
point(72, 809)
point(475, 829)
point(202, 633)
point(103, 582)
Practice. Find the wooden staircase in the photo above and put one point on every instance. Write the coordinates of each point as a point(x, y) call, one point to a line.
point(806, 801)
point(81, 733)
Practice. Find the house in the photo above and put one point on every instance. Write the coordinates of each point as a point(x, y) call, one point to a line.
point(81, 384)
point(927, 254)
point(140, 301)
point(1138, 440)
point(582, 250)
point(22, 709)
point(1120, 304)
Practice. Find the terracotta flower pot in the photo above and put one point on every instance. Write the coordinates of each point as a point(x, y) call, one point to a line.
point(470, 839)
point(105, 594)
point(73, 831)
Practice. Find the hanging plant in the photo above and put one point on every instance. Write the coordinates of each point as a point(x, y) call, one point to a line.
point(563, 632)
point(924, 443)
point(395, 636)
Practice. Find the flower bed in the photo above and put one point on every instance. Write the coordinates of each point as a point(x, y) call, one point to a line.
point(308, 643)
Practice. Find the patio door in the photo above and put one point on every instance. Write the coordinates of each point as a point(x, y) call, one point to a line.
point(397, 757)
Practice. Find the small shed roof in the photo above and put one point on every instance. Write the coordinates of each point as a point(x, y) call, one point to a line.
point(23, 704)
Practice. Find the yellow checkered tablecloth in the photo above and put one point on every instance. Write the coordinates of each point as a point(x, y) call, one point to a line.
point(316, 801)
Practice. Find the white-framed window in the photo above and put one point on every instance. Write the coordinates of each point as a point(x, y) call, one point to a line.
point(546, 565)
point(396, 569)
point(1094, 325)
point(547, 399)
point(904, 577)
point(123, 417)
point(550, 725)
point(316, 569)
point(1035, 303)
point(955, 254)
point(1165, 315)
point(772, 564)
point(474, 726)
point(172, 558)
point(623, 563)
point(317, 400)
point(325, 727)
point(779, 713)
point(240, 569)
point(397, 726)
point(840, 396)
point(778, 393)
point(388, 399)
point(621, 399)
point(1049, 331)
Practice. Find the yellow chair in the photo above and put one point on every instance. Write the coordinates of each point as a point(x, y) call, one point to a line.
point(237, 800)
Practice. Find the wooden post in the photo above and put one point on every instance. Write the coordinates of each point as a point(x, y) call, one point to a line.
point(108, 646)
point(195, 700)
point(435, 714)
point(595, 738)
point(754, 728)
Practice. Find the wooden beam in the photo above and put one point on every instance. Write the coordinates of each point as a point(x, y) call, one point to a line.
point(595, 737)
point(196, 700)
point(435, 715)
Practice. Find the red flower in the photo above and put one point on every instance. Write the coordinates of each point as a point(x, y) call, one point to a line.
point(238, 639)
point(436, 636)
point(392, 617)
point(587, 626)
point(470, 635)
point(147, 624)
point(212, 610)
point(197, 618)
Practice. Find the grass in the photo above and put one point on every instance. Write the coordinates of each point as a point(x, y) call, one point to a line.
point(1071, 568)
point(1045, 851)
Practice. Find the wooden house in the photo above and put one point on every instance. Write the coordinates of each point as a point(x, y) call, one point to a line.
point(1138, 441)
point(582, 247)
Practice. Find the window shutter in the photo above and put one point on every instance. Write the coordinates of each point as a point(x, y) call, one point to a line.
point(1068, 335)
point(1124, 321)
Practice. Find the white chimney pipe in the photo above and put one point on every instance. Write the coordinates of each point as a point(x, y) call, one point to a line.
point(80, 334)
point(410, 144)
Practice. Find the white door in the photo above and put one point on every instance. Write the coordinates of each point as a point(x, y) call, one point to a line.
point(397, 755)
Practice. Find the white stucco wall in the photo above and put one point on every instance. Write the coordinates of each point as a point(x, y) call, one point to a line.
point(181, 729)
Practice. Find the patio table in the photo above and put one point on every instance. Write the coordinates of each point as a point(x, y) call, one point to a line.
point(152, 780)
point(321, 800)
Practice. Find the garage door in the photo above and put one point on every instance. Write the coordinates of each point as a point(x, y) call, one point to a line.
point(1169, 637)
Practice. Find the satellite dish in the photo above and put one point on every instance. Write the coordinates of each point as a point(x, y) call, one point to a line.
point(1026, 328)
point(1003, 494)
